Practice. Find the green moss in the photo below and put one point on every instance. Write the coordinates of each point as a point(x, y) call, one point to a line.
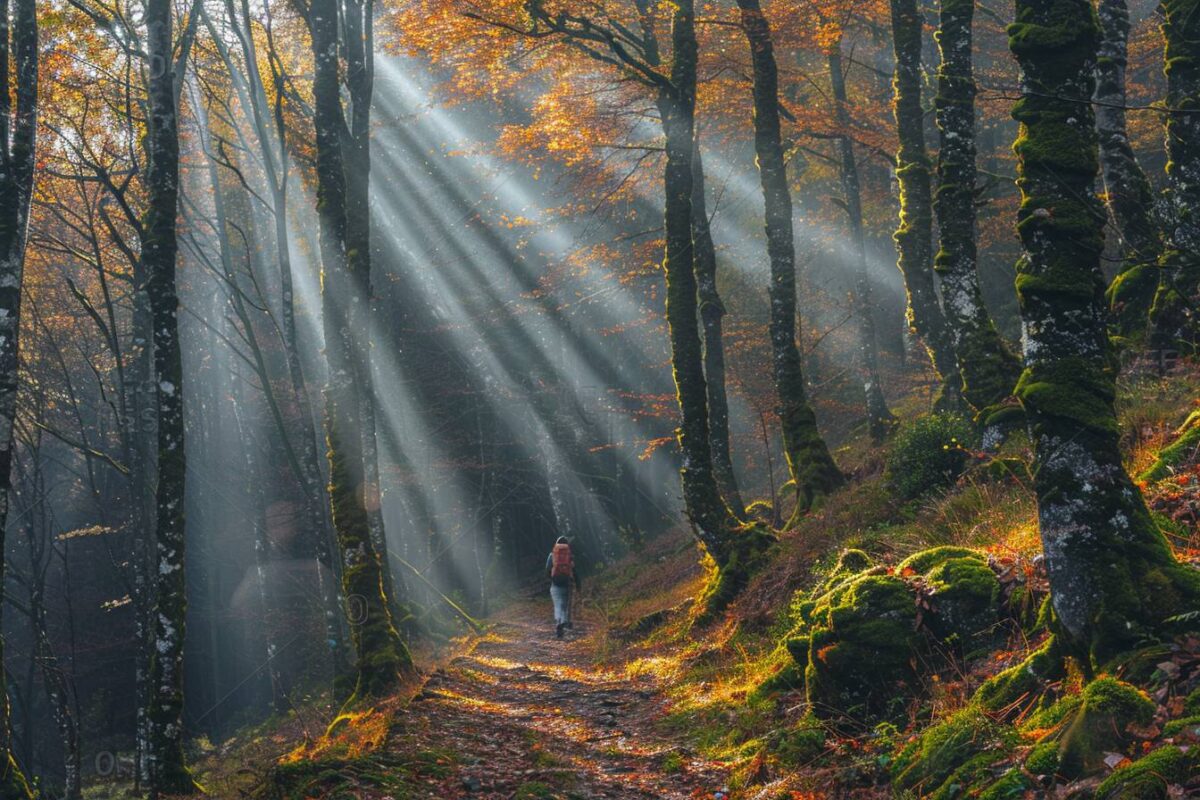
point(965, 596)
point(1178, 726)
point(1099, 725)
point(957, 752)
point(926, 560)
point(1043, 758)
point(1022, 684)
point(1011, 786)
point(1191, 704)
point(1178, 453)
point(861, 646)
point(1052, 715)
point(745, 553)
point(1149, 778)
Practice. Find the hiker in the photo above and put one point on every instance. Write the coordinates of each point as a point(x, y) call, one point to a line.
point(560, 566)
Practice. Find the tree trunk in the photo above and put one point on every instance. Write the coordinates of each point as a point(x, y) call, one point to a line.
point(914, 237)
point(1113, 579)
point(712, 312)
point(381, 656)
point(812, 468)
point(1174, 312)
point(989, 370)
point(167, 771)
point(711, 518)
point(1131, 200)
point(360, 79)
point(879, 418)
point(16, 190)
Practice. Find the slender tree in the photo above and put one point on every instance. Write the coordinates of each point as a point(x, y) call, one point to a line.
point(914, 236)
point(1174, 312)
point(1130, 198)
point(1113, 578)
point(18, 129)
point(712, 313)
point(879, 417)
point(718, 530)
point(381, 656)
point(989, 369)
point(812, 468)
point(165, 758)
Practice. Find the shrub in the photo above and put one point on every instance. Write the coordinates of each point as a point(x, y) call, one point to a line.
point(928, 454)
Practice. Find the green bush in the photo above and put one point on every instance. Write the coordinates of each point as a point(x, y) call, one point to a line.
point(928, 454)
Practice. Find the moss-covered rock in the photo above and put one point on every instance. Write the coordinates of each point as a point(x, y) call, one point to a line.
point(966, 598)
point(954, 758)
point(922, 562)
point(1151, 777)
point(1022, 684)
point(861, 646)
point(1098, 725)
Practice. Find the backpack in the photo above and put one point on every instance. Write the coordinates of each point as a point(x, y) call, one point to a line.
point(562, 565)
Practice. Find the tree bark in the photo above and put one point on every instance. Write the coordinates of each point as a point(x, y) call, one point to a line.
point(989, 369)
point(1130, 198)
point(1113, 578)
point(1174, 312)
point(712, 312)
point(713, 522)
point(167, 770)
point(18, 129)
point(879, 417)
point(914, 236)
point(381, 656)
point(812, 468)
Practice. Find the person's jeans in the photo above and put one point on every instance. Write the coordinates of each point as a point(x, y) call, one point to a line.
point(561, 595)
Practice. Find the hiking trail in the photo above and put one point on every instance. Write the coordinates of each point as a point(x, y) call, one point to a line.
point(527, 716)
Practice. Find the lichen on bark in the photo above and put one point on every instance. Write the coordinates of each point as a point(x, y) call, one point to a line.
point(1113, 577)
point(989, 369)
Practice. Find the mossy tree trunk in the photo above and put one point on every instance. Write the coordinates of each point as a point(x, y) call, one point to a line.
point(1174, 312)
point(879, 418)
point(989, 369)
point(18, 131)
point(811, 466)
point(914, 236)
point(381, 656)
point(168, 772)
point(1113, 578)
point(358, 47)
point(1130, 198)
point(713, 522)
point(712, 313)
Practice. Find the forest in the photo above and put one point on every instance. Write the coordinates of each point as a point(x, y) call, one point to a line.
point(572, 399)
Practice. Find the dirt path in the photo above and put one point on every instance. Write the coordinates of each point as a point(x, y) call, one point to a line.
point(527, 716)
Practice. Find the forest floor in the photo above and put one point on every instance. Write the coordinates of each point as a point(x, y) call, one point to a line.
point(525, 715)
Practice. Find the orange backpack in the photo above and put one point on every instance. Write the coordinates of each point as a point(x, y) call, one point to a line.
point(562, 565)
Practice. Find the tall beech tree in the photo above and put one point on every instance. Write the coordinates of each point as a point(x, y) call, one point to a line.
point(812, 468)
point(712, 314)
point(989, 369)
point(164, 752)
point(914, 236)
point(18, 138)
point(1174, 312)
point(1113, 578)
point(381, 655)
point(879, 417)
point(1131, 200)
